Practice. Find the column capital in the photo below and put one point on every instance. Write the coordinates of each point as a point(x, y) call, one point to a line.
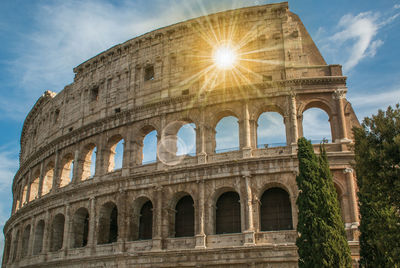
point(348, 170)
point(292, 93)
point(339, 93)
point(246, 174)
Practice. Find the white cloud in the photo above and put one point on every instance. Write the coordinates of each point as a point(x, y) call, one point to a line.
point(357, 37)
point(366, 105)
point(396, 6)
point(360, 31)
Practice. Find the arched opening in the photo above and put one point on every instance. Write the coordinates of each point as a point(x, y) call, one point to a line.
point(34, 189)
point(108, 224)
point(88, 164)
point(57, 233)
point(38, 242)
point(316, 125)
point(186, 140)
point(275, 210)
point(227, 135)
point(15, 247)
point(16, 205)
point(271, 131)
point(141, 220)
point(7, 247)
point(339, 195)
point(184, 217)
point(24, 193)
point(228, 213)
point(67, 170)
point(48, 179)
point(146, 221)
point(25, 241)
point(80, 228)
point(116, 153)
point(149, 149)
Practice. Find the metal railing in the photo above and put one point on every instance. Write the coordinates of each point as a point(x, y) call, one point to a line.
point(271, 145)
point(224, 150)
point(149, 162)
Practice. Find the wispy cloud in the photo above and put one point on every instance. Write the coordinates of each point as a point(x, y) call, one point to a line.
point(356, 37)
point(366, 106)
point(66, 33)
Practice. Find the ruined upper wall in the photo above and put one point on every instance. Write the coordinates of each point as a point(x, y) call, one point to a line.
point(276, 44)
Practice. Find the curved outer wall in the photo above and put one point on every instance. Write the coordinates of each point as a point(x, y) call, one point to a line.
point(111, 99)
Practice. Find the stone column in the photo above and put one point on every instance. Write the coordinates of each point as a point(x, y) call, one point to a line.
point(57, 172)
point(31, 237)
point(339, 95)
point(200, 236)
point(353, 201)
point(125, 157)
point(46, 234)
point(249, 231)
point(28, 188)
point(76, 175)
point(122, 219)
point(67, 224)
point(201, 135)
point(202, 155)
point(41, 177)
point(157, 239)
point(92, 225)
point(160, 136)
point(19, 243)
point(101, 153)
point(246, 149)
point(293, 118)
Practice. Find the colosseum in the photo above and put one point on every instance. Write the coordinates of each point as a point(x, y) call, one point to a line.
point(76, 205)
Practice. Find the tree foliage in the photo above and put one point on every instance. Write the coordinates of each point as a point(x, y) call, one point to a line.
point(322, 240)
point(377, 155)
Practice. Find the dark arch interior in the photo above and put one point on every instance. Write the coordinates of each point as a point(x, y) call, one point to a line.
point(184, 217)
point(108, 224)
point(276, 210)
point(146, 221)
point(15, 246)
point(80, 228)
point(38, 242)
point(7, 246)
point(57, 233)
point(228, 213)
point(25, 241)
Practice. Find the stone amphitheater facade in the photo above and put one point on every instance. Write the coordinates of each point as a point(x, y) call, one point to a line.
point(209, 209)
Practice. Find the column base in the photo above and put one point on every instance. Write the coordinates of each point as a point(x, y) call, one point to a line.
point(124, 172)
point(202, 158)
point(249, 238)
point(200, 241)
point(246, 152)
point(157, 244)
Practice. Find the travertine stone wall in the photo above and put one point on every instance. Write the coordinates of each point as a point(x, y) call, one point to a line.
point(112, 98)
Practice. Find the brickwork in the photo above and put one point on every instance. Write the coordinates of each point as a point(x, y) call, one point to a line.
point(62, 216)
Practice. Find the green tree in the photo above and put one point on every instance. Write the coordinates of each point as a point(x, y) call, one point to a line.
point(322, 240)
point(377, 155)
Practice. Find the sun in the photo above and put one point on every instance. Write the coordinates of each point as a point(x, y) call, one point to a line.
point(225, 57)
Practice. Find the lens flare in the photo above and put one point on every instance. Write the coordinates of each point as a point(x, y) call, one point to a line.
point(225, 57)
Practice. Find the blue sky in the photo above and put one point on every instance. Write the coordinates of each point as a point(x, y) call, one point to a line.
point(41, 41)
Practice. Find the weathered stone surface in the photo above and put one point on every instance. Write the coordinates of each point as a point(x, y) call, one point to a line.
point(111, 100)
